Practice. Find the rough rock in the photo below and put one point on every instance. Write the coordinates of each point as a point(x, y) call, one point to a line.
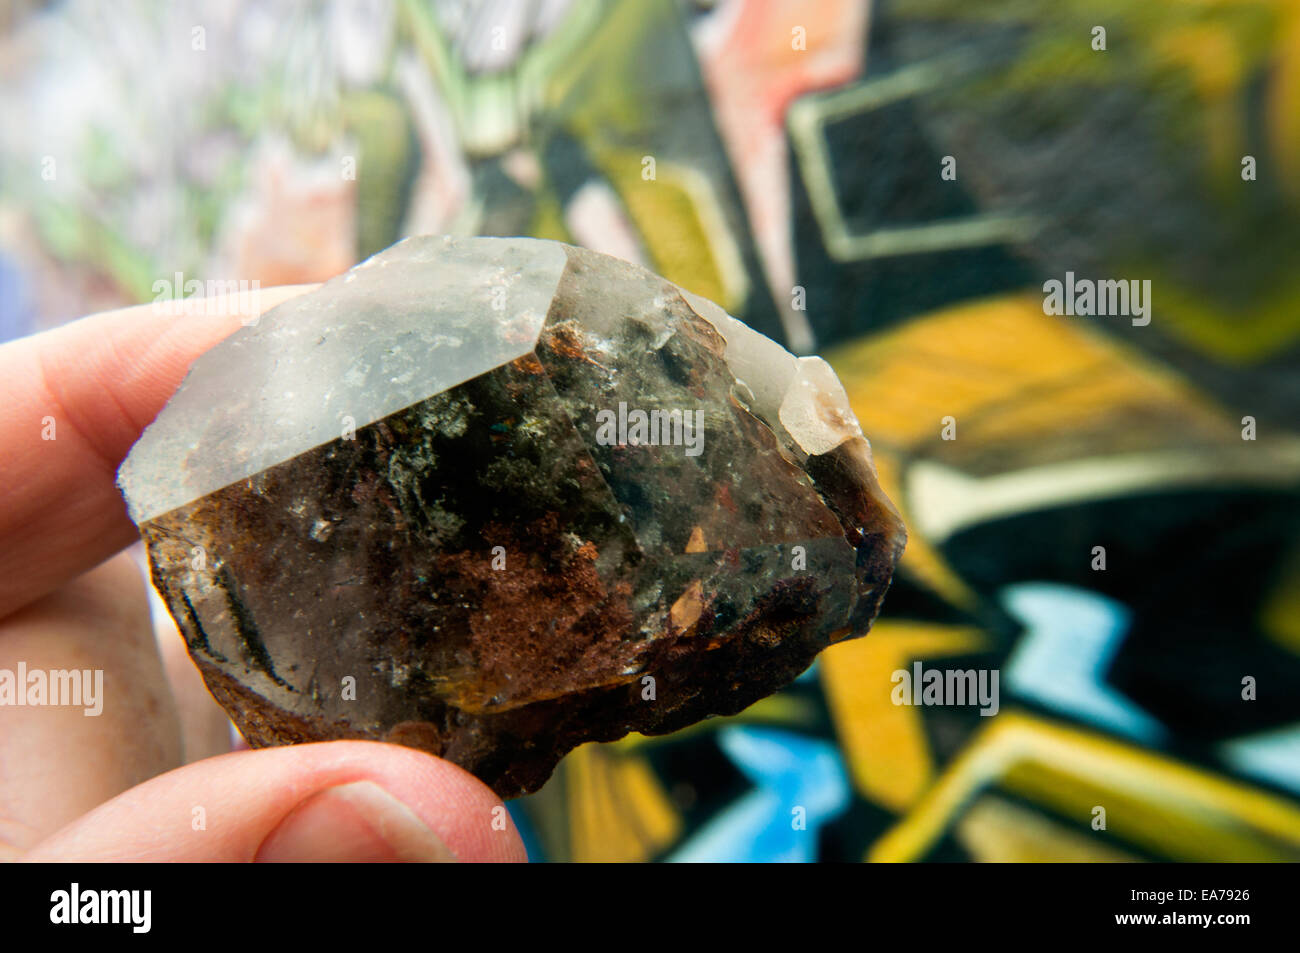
point(419, 505)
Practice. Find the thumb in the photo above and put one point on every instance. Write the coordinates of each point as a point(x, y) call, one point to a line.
point(341, 801)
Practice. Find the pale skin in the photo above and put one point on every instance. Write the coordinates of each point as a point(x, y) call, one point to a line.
point(152, 778)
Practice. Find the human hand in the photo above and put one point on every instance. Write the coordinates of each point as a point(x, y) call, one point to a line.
point(117, 786)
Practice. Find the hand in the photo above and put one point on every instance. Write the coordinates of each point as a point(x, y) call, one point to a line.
point(117, 786)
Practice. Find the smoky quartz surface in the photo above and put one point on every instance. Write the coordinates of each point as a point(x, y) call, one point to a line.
point(452, 500)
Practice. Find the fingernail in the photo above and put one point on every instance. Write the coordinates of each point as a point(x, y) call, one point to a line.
point(353, 823)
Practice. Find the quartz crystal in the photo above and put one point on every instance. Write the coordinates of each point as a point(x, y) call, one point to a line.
point(495, 497)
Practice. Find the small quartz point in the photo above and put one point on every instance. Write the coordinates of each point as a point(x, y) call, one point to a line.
point(421, 505)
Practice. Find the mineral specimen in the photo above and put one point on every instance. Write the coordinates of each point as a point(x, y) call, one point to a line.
point(493, 498)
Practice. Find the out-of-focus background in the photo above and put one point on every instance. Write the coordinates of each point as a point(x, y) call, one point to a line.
point(790, 160)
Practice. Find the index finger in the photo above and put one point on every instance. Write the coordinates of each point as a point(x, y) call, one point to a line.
point(72, 402)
